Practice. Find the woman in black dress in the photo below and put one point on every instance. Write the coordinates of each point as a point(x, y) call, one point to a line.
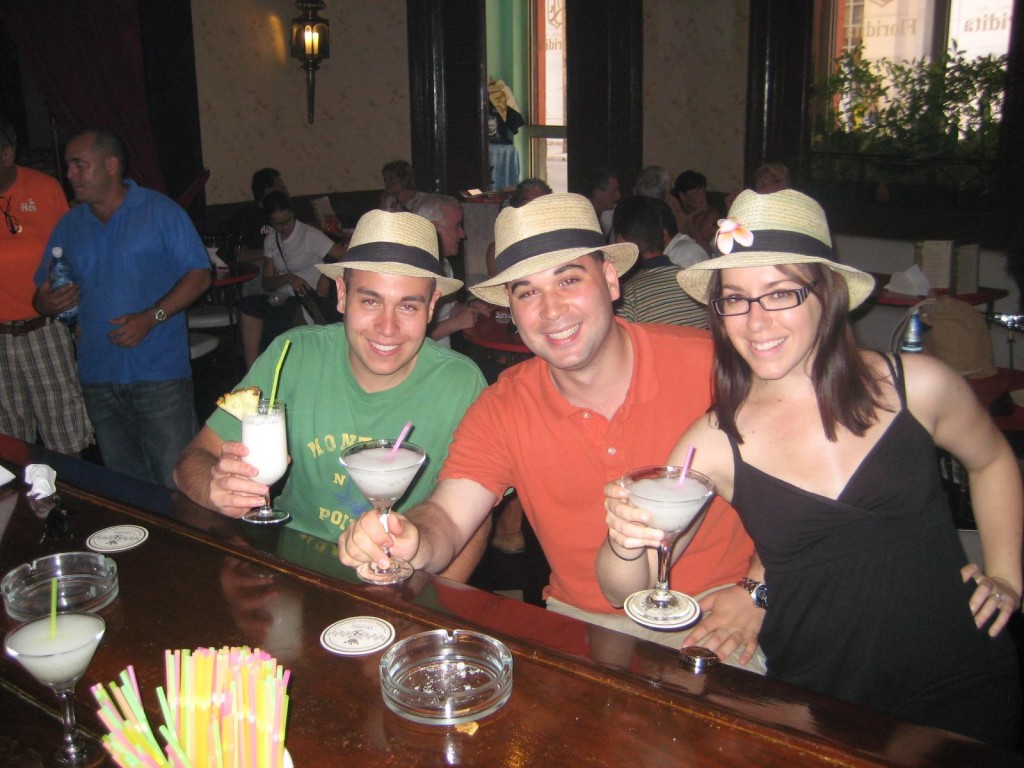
point(827, 451)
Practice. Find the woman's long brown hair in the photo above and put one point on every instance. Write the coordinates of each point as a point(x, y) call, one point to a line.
point(847, 391)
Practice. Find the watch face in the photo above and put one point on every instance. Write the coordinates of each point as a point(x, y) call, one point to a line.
point(760, 596)
point(160, 315)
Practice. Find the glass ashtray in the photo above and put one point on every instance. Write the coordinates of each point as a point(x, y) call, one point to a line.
point(442, 678)
point(86, 581)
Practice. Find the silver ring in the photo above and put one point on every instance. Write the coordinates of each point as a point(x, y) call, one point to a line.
point(999, 598)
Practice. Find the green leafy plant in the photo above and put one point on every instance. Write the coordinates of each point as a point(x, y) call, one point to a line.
point(949, 106)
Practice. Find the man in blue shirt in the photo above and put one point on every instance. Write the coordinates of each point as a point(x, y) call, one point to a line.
point(138, 263)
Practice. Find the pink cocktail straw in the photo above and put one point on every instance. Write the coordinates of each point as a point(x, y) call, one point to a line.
point(686, 463)
point(401, 438)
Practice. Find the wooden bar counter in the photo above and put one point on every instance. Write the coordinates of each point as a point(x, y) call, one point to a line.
point(581, 696)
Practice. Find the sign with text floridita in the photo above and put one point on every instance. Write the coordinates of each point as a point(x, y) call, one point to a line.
point(898, 29)
point(901, 30)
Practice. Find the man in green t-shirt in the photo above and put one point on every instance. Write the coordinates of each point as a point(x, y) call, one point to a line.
point(349, 382)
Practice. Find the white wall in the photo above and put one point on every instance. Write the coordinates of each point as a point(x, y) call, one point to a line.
point(874, 325)
point(695, 88)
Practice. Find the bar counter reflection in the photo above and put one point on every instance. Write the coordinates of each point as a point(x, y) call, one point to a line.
point(604, 698)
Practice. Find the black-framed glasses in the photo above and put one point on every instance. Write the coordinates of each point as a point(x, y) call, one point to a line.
point(13, 226)
point(776, 301)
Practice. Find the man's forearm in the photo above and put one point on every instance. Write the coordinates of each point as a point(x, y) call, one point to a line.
point(439, 537)
point(193, 473)
point(462, 567)
point(189, 287)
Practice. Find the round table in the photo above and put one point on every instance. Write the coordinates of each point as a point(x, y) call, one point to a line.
point(500, 342)
point(490, 333)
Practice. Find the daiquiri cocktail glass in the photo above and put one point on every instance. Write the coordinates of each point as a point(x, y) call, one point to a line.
point(677, 506)
point(264, 433)
point(58, 658)
point(383, 476)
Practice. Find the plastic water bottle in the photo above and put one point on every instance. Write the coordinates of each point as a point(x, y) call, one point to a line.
point(61, 273)
point(911, 341)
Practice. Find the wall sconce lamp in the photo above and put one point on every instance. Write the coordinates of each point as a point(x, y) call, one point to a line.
point(311, 44)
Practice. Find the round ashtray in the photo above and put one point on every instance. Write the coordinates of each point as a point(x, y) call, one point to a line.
point(442, 678)
point(86, 581)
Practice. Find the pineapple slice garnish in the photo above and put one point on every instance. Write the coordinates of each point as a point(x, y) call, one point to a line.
point(241, 402)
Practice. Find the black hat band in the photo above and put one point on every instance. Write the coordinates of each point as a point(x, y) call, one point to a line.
point(548, 242)
point(781, 241)
point(396, 253)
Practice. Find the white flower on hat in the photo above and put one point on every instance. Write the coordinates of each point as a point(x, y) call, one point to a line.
point(730, 230)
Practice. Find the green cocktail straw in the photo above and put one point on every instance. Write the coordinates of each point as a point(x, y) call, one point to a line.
point(277, 372)
point(53, 607)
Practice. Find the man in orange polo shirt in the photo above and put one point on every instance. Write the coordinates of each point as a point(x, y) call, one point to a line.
point(601, 397)
point(40, 395)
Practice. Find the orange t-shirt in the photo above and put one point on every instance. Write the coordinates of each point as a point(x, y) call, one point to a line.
point(522, 433)
point(37, 202)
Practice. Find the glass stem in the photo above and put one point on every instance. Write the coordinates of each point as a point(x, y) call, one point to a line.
point(382, 515)
point(67, 714)
point(664, 552)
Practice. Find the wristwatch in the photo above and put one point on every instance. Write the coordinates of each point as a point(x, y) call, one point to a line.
point(758, 591)
point(160, 315)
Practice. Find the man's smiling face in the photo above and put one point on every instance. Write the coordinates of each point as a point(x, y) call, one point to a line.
point(386, 320)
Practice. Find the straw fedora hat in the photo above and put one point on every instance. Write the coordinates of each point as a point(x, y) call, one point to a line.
point(551, 230)
point(784, 227)
point(401, 244)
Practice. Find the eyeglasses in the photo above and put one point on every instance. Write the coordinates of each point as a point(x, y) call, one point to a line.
point(776, 301)
point(12, 223)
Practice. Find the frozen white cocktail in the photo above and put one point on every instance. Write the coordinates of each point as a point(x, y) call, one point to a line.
point(676, 504)
point(672, 504)
point(383, 475)
point(265, 435)
point(57, 655)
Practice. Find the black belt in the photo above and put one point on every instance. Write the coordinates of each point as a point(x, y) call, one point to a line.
point(21, 327)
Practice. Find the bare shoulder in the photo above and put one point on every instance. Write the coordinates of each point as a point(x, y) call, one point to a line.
point(922, 374)
point(929, 377)
point(937, 393)
point(705, 429)
point(712, 453)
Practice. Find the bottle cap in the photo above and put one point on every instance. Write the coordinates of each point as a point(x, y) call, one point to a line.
point(697, 659)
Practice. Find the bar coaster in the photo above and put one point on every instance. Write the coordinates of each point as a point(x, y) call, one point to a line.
point(689, 615)
point(117, 538)
point(357, 636)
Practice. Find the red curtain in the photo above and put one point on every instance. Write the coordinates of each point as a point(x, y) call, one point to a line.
point(86, 57)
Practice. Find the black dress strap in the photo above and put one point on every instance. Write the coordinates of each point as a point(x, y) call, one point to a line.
point(895, 364)
point(737, 460)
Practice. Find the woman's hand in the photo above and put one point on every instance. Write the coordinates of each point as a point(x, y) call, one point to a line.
point(993, 599)
point(300, 286)
point(730, 619)
point(628, 526)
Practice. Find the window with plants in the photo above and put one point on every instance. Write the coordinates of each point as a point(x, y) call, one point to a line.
point(921, 130)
